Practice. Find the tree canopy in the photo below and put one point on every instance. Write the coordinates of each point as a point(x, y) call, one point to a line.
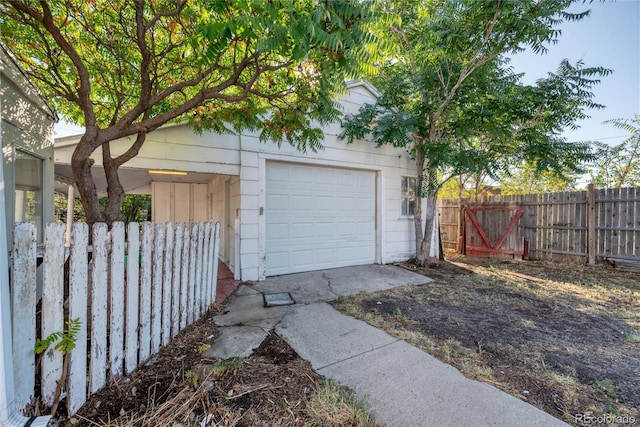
point(123, 68)
point(450, 97)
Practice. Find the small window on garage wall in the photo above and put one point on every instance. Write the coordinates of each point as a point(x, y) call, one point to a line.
point(408, 188)
point(28, 190)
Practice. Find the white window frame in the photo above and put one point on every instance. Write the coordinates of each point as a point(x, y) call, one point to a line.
point(408, 195)
point(21, 204)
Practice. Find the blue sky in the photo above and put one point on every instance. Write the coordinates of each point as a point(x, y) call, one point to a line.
point(609, 37)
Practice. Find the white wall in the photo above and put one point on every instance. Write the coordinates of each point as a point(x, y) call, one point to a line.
point(174, 147)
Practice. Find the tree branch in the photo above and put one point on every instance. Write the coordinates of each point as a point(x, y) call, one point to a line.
point(84, 89)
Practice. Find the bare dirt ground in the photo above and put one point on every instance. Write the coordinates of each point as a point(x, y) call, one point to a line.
point(565, 338)
point(180, 387)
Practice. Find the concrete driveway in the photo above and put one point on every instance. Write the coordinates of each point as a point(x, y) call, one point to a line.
point(401, 385)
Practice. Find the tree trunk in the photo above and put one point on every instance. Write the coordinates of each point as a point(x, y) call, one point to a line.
point(424, 236)
point(429, 217)
point(417, 210)
point(81, 167)
point(115, 191)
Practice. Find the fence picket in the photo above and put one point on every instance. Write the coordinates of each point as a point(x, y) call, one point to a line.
point(145, 292)
point(615, 241)
point(132, 297)
point(116, 279)
point(193, 250)
point(184, 288)
point(98, 308)
point(52, 307)
point(23, 299)
point(156, 292)
point(166, 284)
point(197, 302)
point(214, 260)
point(78, 279)
point(175, 287)
point(633, 238)
point(205, 266)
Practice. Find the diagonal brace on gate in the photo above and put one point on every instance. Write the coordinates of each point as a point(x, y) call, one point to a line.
point(481, 232)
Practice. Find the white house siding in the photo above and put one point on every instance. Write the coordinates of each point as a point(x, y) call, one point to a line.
point(171, 148)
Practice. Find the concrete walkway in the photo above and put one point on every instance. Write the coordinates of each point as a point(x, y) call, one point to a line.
point(401, 385)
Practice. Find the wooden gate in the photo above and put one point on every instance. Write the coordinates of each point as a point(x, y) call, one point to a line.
point(493, 231)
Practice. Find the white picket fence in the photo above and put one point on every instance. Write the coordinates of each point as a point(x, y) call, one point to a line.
point(132, 295)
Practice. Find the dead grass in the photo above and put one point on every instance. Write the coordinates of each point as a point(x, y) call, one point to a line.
point(334, 406)
point(548, 334)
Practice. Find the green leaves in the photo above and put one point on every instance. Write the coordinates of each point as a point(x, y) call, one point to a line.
point(66, 339)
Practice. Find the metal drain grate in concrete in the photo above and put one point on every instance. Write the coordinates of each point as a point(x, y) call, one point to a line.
point(281, 298)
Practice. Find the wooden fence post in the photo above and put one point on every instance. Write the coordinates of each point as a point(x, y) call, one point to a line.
point(591, 224)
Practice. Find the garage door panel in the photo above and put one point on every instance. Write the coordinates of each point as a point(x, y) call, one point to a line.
point(346, 229)
point(329, 223)
point(365, 230)
point(278, 231)
point(325, 178)
point(365, 182)
point(366, 204)
point(279, 260)
point(278, 174)
point(325, 229)
point(303, 259)
point(302, 230)
point(324, 203)
point(299, 173)
point(278, 202)
point(346, 204)
point(301, 203)
point(324, 256)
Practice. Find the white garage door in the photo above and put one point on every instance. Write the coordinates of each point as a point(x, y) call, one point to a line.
point(318, 217)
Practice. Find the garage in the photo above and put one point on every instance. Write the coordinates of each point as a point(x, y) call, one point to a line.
point(318, 217)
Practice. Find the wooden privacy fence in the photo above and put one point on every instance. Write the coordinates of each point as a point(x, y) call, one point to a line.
point(591, 225)
point(132, 292)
